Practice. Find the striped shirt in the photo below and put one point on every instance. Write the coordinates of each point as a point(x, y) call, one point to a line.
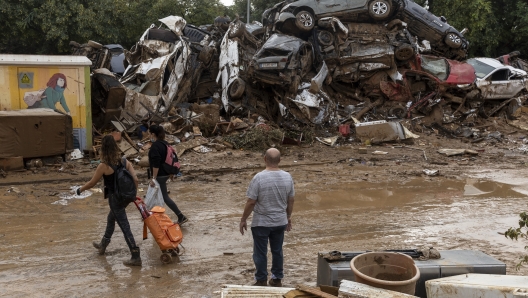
point(271, 190)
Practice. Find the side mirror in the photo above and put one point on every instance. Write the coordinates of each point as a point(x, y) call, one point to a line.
point(443, 19)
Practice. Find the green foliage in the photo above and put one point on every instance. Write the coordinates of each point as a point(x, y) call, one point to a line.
point(522, 232)
point(256, 9)
point(47, 26)
point(496, 27)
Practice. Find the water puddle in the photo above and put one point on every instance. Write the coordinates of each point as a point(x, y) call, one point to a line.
point(67, 196)
point(418, 191)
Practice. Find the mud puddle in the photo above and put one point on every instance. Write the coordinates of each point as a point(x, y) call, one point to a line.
point(47, 250)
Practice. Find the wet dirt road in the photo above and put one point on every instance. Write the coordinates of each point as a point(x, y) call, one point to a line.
point(46, 248)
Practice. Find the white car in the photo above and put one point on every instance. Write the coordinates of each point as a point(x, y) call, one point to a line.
point(496, 80)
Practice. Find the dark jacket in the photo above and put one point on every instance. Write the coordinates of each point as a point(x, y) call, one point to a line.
point(157, 155)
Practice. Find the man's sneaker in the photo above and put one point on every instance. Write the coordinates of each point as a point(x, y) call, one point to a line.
point(275, 282)
point(182, 219)
point(260, 283)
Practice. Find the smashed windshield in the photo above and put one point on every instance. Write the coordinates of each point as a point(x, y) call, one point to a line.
point(481, 69)
point(438, 67)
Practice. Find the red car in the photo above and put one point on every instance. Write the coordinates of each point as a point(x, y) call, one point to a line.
point(429, 74)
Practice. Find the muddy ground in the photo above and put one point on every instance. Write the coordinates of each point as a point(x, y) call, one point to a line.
point(345, 201)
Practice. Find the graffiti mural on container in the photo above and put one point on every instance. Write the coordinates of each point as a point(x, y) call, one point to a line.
point(48, 98)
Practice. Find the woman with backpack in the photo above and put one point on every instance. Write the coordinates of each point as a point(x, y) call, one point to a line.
point(110, 163)
point(157, 156)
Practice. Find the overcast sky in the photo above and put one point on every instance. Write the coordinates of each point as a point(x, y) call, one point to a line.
point(227, 2)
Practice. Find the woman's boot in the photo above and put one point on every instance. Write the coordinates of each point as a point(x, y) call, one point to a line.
point(136, 258)
point(101, 246)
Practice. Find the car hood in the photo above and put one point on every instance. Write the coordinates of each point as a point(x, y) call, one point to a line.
point(281, 42)
point(460, 73)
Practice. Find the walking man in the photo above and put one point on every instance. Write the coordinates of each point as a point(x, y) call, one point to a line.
point(270, 198)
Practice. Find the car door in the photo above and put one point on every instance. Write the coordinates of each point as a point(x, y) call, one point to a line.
point(499, 86)
point(338, 7)
point(332, 7)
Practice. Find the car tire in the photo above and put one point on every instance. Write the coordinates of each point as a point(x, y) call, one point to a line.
point(237, 88)
point(398, 111)
point(380, 9)
point(453, 40)
point(404, 52)
point(94, 44)
point(395, 24)
point(304, 20)
point(325, 38)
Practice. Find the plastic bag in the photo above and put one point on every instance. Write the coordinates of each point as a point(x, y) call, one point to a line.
point(154, 196)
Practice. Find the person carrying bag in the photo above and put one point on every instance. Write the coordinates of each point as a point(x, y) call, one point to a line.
point(121, 182)
point(159, 154)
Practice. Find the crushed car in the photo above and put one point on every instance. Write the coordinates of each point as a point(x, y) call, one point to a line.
point(496, 80)
point(236, 52)
point(282, 60)
point(444, 38)
point(157, 64)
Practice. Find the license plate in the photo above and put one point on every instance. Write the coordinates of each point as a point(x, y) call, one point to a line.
point(268, 65)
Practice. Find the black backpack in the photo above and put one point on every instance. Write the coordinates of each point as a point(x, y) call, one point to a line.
point(124, 187)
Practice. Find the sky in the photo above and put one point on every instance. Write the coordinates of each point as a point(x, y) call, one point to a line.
point(227, 2)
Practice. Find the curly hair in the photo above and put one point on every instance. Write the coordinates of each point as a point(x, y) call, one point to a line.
point(110, 153)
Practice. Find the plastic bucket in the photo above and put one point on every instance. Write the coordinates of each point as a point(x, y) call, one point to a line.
point(386, 270)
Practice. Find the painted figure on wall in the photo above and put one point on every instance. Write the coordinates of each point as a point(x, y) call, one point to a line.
point(53, 94)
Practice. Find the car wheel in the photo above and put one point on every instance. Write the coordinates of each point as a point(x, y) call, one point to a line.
point(404, 52)
point(237, 88)
point(379, 9)
point(453, 40)
point(395, 24)
point(304, 20)
point(325, 38)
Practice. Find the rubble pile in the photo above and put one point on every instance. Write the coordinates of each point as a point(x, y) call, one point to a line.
point(307, 66)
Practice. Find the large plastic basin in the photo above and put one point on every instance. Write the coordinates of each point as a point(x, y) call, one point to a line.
point(386, 270)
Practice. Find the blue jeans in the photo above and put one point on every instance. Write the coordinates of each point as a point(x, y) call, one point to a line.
point(260, 251)
point(118, 214)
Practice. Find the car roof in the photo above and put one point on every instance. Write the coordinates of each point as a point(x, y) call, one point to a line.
point(114, 46)
point(497, 64)
point(491, 62)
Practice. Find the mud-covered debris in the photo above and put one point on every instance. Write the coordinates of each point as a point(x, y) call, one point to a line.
point(13, 189)
point(307, 70)
point(431, 172)
point(382, 131)
point(454, 152)
point(429, 253)
point(331, 141)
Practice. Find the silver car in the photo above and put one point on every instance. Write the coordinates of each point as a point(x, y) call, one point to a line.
point(306, 12)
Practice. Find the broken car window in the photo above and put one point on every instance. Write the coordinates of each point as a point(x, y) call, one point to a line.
point(500, 75)
point(481, 69)
point(438, 67)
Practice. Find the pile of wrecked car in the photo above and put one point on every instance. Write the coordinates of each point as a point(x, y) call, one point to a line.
point(309, 64)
